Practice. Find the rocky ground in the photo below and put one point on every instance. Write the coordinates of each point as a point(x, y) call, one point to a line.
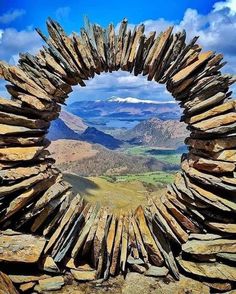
point(135, 283)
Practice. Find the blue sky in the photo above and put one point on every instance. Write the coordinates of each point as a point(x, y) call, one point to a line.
point(213, 21)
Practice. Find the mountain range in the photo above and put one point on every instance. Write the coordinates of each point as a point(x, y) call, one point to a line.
point(149, 131)
point(125, 107)
point(71, 127)
point(156, 132)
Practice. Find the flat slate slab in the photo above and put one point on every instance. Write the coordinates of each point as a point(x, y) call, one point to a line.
point(17, 247)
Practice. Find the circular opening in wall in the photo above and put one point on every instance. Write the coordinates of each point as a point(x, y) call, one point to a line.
point(115, 148)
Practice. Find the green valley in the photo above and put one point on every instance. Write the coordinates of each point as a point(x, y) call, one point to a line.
point(167, 155)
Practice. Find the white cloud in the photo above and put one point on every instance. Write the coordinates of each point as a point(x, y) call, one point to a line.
point(230, 4)
point(1, 33)
point(13, 42)
point(10, 16)
point(121, 84)
point(62, 13)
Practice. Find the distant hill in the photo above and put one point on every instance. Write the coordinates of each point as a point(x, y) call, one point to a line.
point(124, 107)
point(66, 125)
point(95, 136)
point(87, 159)
point(64, 151)
point(156, 132)
point(59, 130)
point(74, 122)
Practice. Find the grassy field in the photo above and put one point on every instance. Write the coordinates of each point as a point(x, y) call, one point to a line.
point(158, 178)
point(121, 192)
point(165, 155)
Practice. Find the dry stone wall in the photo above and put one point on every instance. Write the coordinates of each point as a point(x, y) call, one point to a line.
point(192, 229)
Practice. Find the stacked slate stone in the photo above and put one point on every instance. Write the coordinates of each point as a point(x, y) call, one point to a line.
point(192, 229)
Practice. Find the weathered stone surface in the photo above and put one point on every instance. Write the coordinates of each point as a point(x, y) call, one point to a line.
point(215, 111)
point(24, 111)
point(209, 165)
point(15, 247)
point(18, 120)
point(6, 286)
point(25, 183)
point(156, 58)
point(135, 46)
point(27, 286)
point(132, 242)
point(19, 154)
point(164, 224)
point(155, 271)
point(54, 283)
point(116, 248)
point(25, 197)
point(227, 256)
point(120, 42)
point(21, 141)
point(125, 64)
point(166, 59)
point(80, 275)
point(209, 246)
point(24, 172)
point(184, 73)
point(49, 229)
point(111, 52)
point(17, 77)
point(206, 236)
point(209, 270)
point(99, 237)
point(46, 110)
point(184, 220)
point(212, 198)
point(48, 265)
point(206, 103)
point(162, 232)
point(139, 240)
point(148, 240)
point(14, 130)
point(215, 122)
point(21, 279)
point(84, 233)
point(53, 192)
point(71, 230)
point(101, 45)
point(209, 180)
point(89, 240)
point(124, 244)
point(177, 229)
point(221, 227)
point(226, 155)
point(225, 286)
point(67, 216)
point(214, 145)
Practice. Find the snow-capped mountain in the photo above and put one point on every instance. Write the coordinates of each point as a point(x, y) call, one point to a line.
point(136, 100)
point(129, 107)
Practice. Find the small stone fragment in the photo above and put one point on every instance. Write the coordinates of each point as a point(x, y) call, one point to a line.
point(80, 275)
point(54, 283)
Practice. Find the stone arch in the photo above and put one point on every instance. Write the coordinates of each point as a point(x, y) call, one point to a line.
point(196, 217)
